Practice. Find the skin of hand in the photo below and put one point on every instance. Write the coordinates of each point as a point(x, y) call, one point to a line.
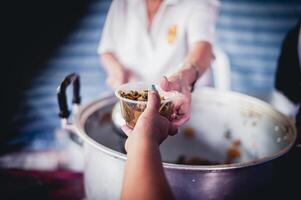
point(150, 125)
point(143, 166)
point(197, 61)
point(181, 107)
point(116, 73)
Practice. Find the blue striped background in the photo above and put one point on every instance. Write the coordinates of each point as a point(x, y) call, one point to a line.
point(250, 32)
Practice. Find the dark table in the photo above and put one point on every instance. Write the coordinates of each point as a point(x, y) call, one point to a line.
point(62, 184)
point(31, 184)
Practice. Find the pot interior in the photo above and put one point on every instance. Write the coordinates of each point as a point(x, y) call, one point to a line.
point(224, 128)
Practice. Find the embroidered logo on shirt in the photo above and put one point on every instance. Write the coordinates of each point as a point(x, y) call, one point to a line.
point(171, 34)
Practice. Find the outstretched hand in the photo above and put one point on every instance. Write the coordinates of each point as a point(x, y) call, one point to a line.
point(181, 109)
point(151, 125)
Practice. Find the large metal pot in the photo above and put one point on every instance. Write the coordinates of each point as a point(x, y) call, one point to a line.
point(219, 119)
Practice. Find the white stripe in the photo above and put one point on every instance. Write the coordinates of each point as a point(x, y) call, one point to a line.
point(249, 36)
point(84, 61)
point(94, 19)
point(252, 79)
point(85, 33)
point(38, 125)
point(250, 50)
point(58, 76)
point(257, 7)
point(254, 22)
point(253, 63)
point(80, 48)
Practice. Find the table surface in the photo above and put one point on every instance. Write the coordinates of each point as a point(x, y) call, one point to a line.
point(66, 184)
point(34, 184)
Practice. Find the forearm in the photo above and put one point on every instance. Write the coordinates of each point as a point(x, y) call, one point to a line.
point(110, 62)
point(144, 174)
point(196, 62)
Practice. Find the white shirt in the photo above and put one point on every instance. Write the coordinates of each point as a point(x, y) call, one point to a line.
point(177, 25)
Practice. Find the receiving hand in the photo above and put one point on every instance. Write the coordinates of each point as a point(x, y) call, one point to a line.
point(181, 113)
point(150, 125)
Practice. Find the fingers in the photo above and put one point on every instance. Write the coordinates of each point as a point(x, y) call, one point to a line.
point(126, 130)
point(126, 145)
point(173, 130)
point(171, 83)
point(164, 83)
point(180, 121)
point(153, 102)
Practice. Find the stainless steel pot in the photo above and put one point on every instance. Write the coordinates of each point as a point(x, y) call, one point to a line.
point(218, 120)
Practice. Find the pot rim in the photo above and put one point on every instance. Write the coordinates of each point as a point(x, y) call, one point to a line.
point(86, 111)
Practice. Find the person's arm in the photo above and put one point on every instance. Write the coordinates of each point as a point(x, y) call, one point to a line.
point(200, 36)
point(117, 74)
point(196, 62)
point(144, 175)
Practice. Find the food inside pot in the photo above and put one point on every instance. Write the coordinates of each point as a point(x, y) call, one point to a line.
point(105, 118)
point(189, 132)
point(232, 152)
point(131, 111)
point(195, 160)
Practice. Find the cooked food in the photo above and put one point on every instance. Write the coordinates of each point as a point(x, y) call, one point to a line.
point(131, 111)
point(105, 118)
point(188, 132)
point(136, 96)
point(236, 143)
point(195, 161)
point(233, 152)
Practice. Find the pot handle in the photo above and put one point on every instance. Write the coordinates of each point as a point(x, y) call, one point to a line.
point(61, 94)
point(64, 112)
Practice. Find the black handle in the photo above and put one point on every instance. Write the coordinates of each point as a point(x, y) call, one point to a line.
point(61, 94)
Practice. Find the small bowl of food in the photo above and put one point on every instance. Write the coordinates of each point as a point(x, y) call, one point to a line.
point(133, 100)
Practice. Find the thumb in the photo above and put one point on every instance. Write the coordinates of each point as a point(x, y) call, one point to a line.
point(171, 83)
point(164, 83)
point(153, 102)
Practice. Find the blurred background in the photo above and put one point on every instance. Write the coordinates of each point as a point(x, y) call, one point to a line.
point(46, 40)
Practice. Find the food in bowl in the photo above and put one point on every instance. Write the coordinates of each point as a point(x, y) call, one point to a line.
point(133, 100)
point(136, 95)
point(132, 111)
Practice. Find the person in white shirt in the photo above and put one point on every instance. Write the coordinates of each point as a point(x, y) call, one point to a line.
point(166, 41)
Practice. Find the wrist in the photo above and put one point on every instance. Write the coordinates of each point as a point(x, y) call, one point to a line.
point(115, 69)
point(189, 74)
point(140, 140)
point(145, 137)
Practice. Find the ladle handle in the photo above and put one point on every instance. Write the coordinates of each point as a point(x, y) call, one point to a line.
point(61, 94)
